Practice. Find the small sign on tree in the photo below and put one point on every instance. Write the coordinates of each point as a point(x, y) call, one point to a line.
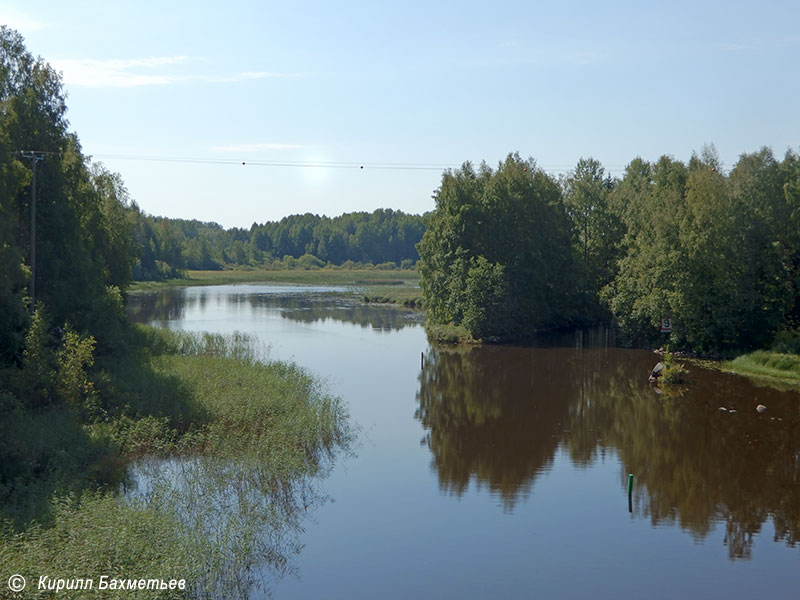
point(666, 325)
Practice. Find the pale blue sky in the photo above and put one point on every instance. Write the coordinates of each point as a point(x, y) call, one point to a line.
point(412, 83)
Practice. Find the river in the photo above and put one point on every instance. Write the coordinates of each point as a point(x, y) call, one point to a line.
point(502, 472)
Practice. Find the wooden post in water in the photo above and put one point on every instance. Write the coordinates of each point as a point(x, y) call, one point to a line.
point(630, 491)
point(421, 360)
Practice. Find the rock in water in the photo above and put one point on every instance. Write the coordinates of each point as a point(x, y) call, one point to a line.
point(656, 372)
point(761, 408)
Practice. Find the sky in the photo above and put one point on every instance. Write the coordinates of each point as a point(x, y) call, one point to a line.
point(175, 96)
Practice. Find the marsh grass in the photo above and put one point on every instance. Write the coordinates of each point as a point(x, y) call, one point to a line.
point(762, 363)
point(98, 534)
point(252, 439)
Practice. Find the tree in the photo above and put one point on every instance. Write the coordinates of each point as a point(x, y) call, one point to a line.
point(82, 233)
point(496, 257)
point(597, 231)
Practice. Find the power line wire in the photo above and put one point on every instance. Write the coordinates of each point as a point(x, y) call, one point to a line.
point(392, 166)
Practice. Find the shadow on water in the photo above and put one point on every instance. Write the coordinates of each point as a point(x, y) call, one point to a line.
point(497, 415)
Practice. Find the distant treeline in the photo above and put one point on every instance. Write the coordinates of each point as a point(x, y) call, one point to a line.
point(512, 251)
point(166, 247)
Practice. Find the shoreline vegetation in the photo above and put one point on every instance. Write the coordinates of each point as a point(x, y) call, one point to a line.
point(254, 433)
point(401, 287)
point(763, 364)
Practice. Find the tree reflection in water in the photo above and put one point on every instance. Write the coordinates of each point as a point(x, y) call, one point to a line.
point(172, 305)
point(497, 415)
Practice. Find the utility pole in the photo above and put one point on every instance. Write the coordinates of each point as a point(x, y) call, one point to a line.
point(34, 157)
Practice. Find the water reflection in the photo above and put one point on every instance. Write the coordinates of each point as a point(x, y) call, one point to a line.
point(300, 304)
point(496, 416)
point(242, 522)
point(159, 307)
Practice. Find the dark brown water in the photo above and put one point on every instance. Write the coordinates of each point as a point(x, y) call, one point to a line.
point(502, 472)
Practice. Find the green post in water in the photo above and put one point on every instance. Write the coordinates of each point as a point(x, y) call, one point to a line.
point(630, 483)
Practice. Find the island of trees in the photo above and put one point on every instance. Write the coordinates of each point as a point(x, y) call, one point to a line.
point(513, 251)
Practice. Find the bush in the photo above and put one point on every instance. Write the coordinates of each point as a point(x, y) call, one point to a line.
point(72, 384)
point(309, 261)
point(674, 372)
point(786, 342)
point(448, 334)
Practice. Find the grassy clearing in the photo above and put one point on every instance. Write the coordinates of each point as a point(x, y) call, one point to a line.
point(241, 443)
point(761, 363)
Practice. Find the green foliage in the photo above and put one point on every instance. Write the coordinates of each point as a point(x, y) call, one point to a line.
point(83, 234)
point(309, 261)
point(597, 229)
point(448, 334)
point(767, 364)
point(72, 385)
point(166, 247)
point(96, 535)
point(496, 256)
point(486, 311)
point(708, 250)
point(673, 372)
point(786, 342)
point(13, 273)
point(38, 372)
point(55, 368)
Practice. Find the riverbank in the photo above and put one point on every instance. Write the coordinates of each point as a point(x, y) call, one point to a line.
point(772, 365)
point(233, 427)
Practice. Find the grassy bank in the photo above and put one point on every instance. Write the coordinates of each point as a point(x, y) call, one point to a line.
point(762, 363)
point(240, 443)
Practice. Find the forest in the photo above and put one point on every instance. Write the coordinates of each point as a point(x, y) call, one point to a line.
point(166, 247)
point(513, 251)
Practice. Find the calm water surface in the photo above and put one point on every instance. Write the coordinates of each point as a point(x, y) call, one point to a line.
point(501, 472)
